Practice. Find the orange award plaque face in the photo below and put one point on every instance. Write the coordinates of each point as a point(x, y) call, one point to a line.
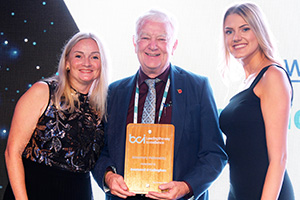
point(148, 156)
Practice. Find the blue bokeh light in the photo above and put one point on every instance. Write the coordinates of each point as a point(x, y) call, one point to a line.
point(3, 133)
point(14, 53)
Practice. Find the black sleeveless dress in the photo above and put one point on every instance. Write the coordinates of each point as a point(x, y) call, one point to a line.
point(243, 124)
point(63, 149)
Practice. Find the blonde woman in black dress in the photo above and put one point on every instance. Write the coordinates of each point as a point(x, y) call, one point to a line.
point(256, 119)
point(56, 134)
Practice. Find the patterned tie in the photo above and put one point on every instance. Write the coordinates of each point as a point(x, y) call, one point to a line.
point(148, 116)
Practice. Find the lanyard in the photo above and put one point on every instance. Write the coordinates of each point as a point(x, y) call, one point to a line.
point(136, 100)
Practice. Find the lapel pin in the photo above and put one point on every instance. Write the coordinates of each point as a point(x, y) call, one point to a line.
point(179, 91)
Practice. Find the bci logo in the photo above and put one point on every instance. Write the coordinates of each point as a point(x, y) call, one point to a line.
point(293, 70)
point(139, 139)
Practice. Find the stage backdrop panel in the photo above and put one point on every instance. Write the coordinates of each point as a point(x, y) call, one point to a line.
point(32, 33)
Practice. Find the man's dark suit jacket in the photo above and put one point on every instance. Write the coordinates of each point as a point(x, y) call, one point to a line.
point(199, 155)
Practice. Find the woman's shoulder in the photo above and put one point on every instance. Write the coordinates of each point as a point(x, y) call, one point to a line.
point(275, 74)
point(38, 92)
point(274, 79)
point(35, 98)
point(40, 88)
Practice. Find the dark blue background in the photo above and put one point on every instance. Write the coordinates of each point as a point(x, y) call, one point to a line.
point(32, 34)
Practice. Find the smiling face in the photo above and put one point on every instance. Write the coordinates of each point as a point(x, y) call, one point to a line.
point(240, 40)
point(84, 63)
point(154, 47)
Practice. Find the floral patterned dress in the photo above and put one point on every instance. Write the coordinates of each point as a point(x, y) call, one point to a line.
point(69, 141)
point(63, 149)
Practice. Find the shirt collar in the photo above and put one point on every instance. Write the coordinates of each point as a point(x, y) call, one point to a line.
point(163, 76)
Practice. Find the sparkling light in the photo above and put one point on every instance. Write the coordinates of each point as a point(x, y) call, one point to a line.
point(14, 53)
point(25, 40)
point(3, 133)
point(37, 67)
point(34, 43)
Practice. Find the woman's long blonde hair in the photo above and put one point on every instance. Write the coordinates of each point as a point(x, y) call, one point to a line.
point(98, 91)
point(253, 15)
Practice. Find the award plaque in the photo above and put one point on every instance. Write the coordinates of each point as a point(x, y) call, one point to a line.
point(148, 156)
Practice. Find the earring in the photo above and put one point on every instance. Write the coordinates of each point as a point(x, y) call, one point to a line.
point(68, 69)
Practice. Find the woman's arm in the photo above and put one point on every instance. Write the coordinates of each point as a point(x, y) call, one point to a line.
point(27, 112)
point(274, 91)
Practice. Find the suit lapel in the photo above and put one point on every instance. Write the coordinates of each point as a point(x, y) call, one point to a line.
point(124, 97)
point(124, 94)
point(178, 88)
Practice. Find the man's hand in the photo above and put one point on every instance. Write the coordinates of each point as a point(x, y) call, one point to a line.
point(171, 190)
point(117, 185)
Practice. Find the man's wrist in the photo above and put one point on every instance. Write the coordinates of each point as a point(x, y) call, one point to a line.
point(108, 170)
point(190, 193)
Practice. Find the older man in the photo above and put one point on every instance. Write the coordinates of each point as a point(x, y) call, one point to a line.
point(198, 148)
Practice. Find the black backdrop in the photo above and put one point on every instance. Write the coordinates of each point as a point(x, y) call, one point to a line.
point(32, 34)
